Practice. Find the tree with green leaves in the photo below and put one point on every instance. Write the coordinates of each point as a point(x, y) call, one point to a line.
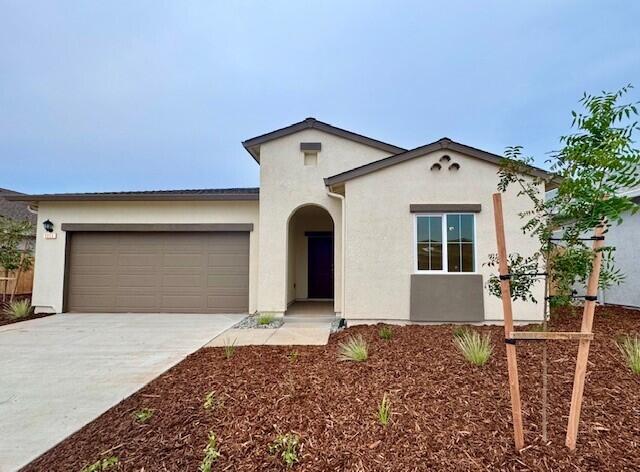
point(16, 252)
point(593, 168)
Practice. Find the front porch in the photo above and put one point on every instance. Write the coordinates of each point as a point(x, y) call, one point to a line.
point(311, 308)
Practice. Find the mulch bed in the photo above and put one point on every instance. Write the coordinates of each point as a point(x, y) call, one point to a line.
point(5, 319)
point(447, 414)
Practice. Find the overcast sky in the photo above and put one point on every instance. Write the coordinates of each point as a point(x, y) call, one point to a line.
point(133, 95)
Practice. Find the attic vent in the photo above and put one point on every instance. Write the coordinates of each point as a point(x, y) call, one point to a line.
point(445, 158)
point(436, 166)
point(454, 166)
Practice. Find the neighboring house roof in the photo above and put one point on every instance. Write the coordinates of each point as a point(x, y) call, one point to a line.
point(253, 145)
point(13, 209)
point(444, 143)
point(250, 193)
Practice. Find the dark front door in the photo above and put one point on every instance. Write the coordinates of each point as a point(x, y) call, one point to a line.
point(320, 266)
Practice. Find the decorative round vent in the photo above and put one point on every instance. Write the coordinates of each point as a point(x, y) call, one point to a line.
point(454, 166)
point(445, 158)
point(436, 166)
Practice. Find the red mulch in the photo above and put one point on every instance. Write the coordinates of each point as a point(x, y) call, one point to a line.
point(5, 319)
point(447, 414)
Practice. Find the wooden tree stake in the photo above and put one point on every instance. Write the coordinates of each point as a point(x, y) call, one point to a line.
point(512, 362)
point(583, 347)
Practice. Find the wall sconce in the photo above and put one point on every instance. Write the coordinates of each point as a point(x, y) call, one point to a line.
point(48, 226)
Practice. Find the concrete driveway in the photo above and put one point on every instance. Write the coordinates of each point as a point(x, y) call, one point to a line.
point(59, 373)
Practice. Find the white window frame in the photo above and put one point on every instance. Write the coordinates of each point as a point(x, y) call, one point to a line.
point(445, 259)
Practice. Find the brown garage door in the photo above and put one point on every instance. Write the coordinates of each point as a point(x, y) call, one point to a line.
point(158, 272)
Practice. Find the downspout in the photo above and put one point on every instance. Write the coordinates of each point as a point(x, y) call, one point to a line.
point(342, 250)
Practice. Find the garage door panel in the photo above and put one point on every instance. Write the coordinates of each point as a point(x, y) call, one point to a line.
point(159, 272)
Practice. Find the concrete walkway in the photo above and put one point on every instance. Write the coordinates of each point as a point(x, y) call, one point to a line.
point(61, 372)
point(296, 331)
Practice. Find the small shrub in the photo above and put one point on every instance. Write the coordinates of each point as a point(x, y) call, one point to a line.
point(286, 445)
point(353, 349)
point(630, 348)
point(102, 465)
point(265, 318)
point(384, 410)
point(143, 415)
point(211, 454)
point(18, 309)
point(475, 348)
point(459, 331)
point(293, 356)
point(230, 349)
point(210, 401)
point(385, 333)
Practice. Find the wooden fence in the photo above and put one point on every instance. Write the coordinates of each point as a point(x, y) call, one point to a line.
point(25, 284)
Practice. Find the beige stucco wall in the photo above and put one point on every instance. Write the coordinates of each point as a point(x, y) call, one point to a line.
point(380, 249)
point(287, 184)
point(50, 254)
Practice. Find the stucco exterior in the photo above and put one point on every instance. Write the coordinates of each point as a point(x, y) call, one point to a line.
point(48, 290)
point(359, 188)
point(380, 247)
point(286, 184)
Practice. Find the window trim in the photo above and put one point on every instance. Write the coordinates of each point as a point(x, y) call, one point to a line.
point(445, 260)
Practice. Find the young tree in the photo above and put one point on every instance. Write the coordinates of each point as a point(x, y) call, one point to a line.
point(593, 168)
point(15, 249)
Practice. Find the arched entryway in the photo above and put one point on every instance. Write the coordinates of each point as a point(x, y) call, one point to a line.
point(310, 261)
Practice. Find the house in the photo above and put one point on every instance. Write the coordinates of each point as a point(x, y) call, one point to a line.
point(375, 230)
point(625, 238)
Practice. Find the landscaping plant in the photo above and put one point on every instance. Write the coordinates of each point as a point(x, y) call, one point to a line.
point(102, 465)
point(18, 309)
point(211, 454)
point(210, 401)
point(595, 166)
point(293, 356)
point(385, 333)
point(13, 257)
point(475, 348)
point(353, 349)
point(143, 415)
point(286, 445)
point(230, 349)
point(264, 319)
point(384, 410)
point(630, 348)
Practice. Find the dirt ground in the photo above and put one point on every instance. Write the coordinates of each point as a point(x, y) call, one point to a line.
point(446, 414)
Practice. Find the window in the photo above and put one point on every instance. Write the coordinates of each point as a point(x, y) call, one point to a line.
point(455, 252)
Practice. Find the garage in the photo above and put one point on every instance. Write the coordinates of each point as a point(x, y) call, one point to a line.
point(157, 271)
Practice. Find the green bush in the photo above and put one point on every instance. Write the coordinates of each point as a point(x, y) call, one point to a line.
point(265, 318)
point(19, 309)
point(353, 349)
point(384, 411)
point(287, 446)
point(102, 465)
point(630, 348)
point(475, 348)
point(385, 333)
point(143, 415)
point(230, 349)
point(211, 454)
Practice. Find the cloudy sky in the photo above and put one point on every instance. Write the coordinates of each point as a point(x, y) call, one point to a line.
point(128, 95)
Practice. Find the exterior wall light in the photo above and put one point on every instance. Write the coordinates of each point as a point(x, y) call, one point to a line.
point(48, 226)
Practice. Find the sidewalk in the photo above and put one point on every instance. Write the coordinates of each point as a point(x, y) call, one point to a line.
point(302, 330)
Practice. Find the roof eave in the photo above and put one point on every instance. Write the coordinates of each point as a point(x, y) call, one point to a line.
point(550, 179)
point(252, 145)
point(139, 197)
